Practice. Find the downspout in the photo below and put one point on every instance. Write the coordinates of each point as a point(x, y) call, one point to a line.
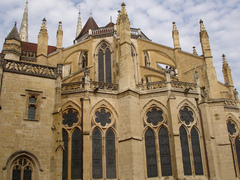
point(203, 135)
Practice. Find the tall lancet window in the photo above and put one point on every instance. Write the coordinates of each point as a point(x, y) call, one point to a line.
point(190, 142)
point(103, 145)
point(104, 64)
point(157, 144)
point(234, 138)
point(72, 138)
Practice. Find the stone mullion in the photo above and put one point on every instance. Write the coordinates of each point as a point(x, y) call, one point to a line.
point(104, 169)
point(235, 157)
point(158, 153)
point(175, 143)
point(191, 151)
point(69, 155)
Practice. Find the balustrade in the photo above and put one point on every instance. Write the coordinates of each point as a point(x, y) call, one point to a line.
point(29, 68)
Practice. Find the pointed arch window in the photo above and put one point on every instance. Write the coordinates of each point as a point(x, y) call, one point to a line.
point(72, 139)
point(235, 145)
point(104, 64)
point(165, 154)
point(22, 169)
point(152, 170)
point(191, 156)
point(197, 157)
point(185, 151)
point(157, 140)
point(103, 146)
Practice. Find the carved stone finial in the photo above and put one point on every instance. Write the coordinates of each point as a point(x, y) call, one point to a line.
point(224, 60)
point(194, 50)
point(15, 24)
point(202, 28)
point(123, 4)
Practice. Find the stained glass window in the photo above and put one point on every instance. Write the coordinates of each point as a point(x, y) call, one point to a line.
point(154, 116)
point(103, 117)
point(196, 152)
point(22, 169)
point(108, 66)
point(165, 154)
point(151, 154)
point(233, 158)
point(237, 146)
point(186, 116)
point(76, 166)
point(100, 66)
point(110, 154)
point(70, 117)
point(65, 155)
point(231, 127)
point(16, 173)
point(97, 154)
point(185, 151)
point(104, 64)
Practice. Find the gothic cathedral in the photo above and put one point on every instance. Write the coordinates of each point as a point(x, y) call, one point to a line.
point(115, 106)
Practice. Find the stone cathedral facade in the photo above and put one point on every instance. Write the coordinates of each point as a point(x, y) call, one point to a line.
point(115, 105)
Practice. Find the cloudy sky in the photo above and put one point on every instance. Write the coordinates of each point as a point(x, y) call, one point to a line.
point(221, 19)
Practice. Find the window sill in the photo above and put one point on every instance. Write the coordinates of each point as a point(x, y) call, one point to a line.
point(30, 119)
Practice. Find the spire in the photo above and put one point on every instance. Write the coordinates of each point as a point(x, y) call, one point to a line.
point(79, 24)
point(175, 36)
point(90, 24)
point(14, 33)
point(24, 25)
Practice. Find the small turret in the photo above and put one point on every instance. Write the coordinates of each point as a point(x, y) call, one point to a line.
point(228, 77)
point(42, 48)
point(175, 36)
point(59, 35)
point(226, 72)
point(12, 45)
point(126, 67)
point(204, 39)
point(24, 25)
point(212, 82)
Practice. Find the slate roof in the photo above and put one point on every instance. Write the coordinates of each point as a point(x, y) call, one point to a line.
point(90, 24)
point(110, 24)
point(27, 46)
point(13, 34)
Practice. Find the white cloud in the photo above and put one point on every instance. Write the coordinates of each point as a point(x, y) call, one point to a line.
point(153, 17)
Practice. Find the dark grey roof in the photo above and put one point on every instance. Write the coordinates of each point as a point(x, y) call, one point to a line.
point(14, 34)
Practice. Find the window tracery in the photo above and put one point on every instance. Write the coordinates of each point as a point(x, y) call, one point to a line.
point(190, 142)
point(157, 140)
point(103, 145)
point(72, 138)
point(234, 138)
point(104, 63)
point(22, 169)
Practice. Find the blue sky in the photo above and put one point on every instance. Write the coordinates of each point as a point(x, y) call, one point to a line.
point(221, 19)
